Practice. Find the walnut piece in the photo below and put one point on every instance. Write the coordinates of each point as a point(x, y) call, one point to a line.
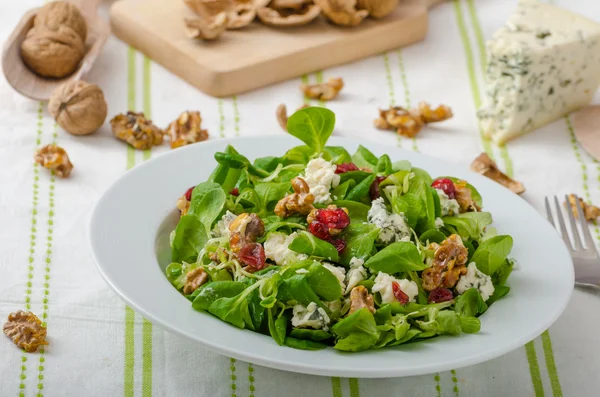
point(360, 298)
point(590, 212)
point(485, 166)
point(60, 13)
point(448, 264)
point(54, 158)
point(78, 107)
point(194, 279)
point(342, 12)
point(186, 130)
point(324, 91)
point(52, 53)
point(409, 123)
point(245, 229)
point(288, 13)
point(26, 330)
point(464, 197)
point(206, 29)
point(378, 8)
point(237, 13)
point(136, 130)
point(299, 202)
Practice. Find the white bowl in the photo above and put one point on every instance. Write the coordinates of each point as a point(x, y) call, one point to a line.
point(129, 237)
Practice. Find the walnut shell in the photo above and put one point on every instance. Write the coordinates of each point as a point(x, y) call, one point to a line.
point(58, 13)
point(342, 12)
point(378, 8)
point(52, 53)
point(78, 107)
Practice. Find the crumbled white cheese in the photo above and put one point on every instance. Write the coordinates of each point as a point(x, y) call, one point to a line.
point(334, 306)
point(448, 206)
point(383, 285)
point(355, 275)
point(393, 226)
point(475, 279)
point(222, 227)
point(542, 65)
point(338, 272)
point(301, 271)
point(310, 317)
point(321, 177)
point(276, 248)
point(438, 223)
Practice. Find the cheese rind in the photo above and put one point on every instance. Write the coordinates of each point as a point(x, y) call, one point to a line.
point(542, 65)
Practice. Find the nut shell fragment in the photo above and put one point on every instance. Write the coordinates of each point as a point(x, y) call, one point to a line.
point(206, 29)
point(485, 166)
point(323, 91)
point(378, 8)
point(78, 107)
point(186, 130)
point(26, 330)
point(52, 53)
point(342, 12)
point(288, 17)
point(61, 13)
point(54, 158)
point(136, 130)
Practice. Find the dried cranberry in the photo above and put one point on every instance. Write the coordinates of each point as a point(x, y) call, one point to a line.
point(346, 167)
point(374, 189)
point(188, 193)
point(319, 230)
point(235, 192)
point(399, 294)
point(440, 295)
point(333, 218)
point(339, 244)
point(446, 185)
point(253, 255)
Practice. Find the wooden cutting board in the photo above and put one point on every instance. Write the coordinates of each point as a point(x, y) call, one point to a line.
point(258, 55)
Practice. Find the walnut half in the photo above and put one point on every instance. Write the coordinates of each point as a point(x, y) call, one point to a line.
point(26, 330)
point(54, 158)
point(409, 123)
point(485, 166)
point(323, 91)
point(360, 298)
point(136, 130)
point(194, 279)
point(187, 129)
point(448, 265)
point(299, 202)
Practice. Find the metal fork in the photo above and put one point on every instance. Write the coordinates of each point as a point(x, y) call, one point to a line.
point(585, 257)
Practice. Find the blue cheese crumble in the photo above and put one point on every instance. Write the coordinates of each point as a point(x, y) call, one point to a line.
point(392, 227)
point(476, 279)
point(320, 177)
point(311, 316)
point(355, 275)
point(448, 206)
point(222, 227)
point(383, 285)
point(276, 248)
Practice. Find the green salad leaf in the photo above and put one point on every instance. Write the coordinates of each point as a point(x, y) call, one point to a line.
point(308, 244)
point(397, 257)
point(313, 126)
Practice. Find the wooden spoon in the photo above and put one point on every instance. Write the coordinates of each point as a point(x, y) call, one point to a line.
point(24, 80)
point(586, 125)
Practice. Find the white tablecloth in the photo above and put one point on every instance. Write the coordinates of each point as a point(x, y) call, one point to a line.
point(98, 347)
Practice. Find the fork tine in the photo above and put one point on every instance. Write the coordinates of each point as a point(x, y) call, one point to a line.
point(589, 242)
point(561, 224)
point(549, 212)
point(576, 236)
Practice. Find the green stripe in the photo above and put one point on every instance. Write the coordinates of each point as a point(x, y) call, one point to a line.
point(221, 118)
point(336, 387)
point(534, 370)
point(236, 117)
point(146, 358)
point(47, 269)
point(551, 365)
point(32, 238)
point(438, 386)
point(354, 387)
point(130, 99)
point(455, 388)
point(147, 102)
point(471, 70)
point(233, 377)
point(129, 352)
point(389, 80)
point(251, 388)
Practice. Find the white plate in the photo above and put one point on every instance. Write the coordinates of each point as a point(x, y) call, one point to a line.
point(129, 232)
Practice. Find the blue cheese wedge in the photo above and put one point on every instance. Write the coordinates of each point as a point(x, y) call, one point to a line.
point(542, 65)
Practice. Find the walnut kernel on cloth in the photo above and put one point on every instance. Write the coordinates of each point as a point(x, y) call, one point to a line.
point(78, 107)
point(194, 279)
point(136, 130)
point(342, 12)
point(360, 298)
point(590, 212)
point(299, 202)
point(186, 130)
point(324, 91)
point(26, 330)
point(485, 166)
point(54, 158)
point(409, 123)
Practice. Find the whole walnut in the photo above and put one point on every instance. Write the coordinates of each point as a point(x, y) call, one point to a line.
point(60, 13)
point(52, 53)
point(78, 107)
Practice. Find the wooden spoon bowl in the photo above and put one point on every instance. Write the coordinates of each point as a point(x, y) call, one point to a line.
point(34, 86)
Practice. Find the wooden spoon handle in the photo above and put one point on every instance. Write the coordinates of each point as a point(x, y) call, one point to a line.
point(87, 7)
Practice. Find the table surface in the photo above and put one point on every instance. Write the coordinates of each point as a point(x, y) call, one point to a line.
point(99, 347)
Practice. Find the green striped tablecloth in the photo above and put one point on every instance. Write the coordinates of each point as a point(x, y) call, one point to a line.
point(100, 347)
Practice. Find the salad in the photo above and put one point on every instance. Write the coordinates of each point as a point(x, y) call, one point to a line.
point(320, 248)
